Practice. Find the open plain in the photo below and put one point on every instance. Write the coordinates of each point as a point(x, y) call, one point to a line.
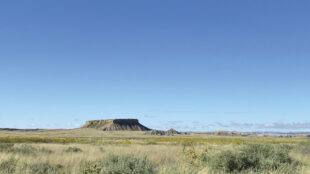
point(88, 151)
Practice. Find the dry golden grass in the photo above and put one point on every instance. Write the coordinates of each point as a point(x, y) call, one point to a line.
point(94, 136)
point(165, 152)
point(160, 155)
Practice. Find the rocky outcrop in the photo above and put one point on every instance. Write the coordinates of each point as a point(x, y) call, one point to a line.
point(116, 125)
point(229, 133)
point(169, 132)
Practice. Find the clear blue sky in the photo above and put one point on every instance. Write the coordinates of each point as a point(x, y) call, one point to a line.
point(191, 65)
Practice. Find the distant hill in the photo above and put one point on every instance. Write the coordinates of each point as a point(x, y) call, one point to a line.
point(116, 125)
point(169, 132)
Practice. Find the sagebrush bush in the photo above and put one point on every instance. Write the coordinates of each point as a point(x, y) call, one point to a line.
point(256, 158)
point(8, 166)
point(44, 168)
point(303, 147)
point(6, 147)
point(193, 156)
point(45, 150)
point(25, 149)
point(128, 164)
point(225, 161)
point(119, 164)
point(73, 149)
point(92, 167)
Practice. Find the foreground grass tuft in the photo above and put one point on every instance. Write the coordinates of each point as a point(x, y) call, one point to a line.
point(303, 147)
point(115, 164)
point(8, 166)
point(44, 168)
point(6, 147)
point(25, 149)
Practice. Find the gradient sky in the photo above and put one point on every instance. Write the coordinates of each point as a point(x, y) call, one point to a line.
point(191, 65)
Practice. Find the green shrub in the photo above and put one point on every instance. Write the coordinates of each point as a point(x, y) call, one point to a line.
point(44, 168)
point(92, 167)
point(73, 149)
point(6, 147)
point(8, 166)
point(128, 164)
point(45, 150)
point(303, 147)
point(225, 161)
point(195, 156)
point(256, 158)
point(114, 164)
point(25, 149)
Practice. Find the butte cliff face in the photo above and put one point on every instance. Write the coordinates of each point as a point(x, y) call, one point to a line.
point(116, 125)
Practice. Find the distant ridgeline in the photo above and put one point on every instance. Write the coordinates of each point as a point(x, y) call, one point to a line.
point(116, 125)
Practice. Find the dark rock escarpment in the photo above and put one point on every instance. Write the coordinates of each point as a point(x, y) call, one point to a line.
point(116, 125)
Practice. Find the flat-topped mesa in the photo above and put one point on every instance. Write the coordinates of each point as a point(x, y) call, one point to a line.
point(116, 125)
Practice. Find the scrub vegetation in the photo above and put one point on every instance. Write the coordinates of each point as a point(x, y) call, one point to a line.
point(120, 153)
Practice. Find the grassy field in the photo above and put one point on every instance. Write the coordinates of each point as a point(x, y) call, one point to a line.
point(87, 151)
